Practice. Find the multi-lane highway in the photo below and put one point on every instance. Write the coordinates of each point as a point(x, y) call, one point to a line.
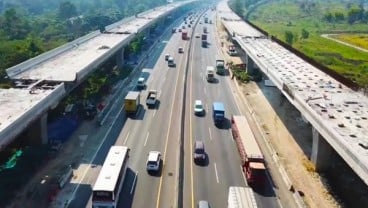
point(172, 128)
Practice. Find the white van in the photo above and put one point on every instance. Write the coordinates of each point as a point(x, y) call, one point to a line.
point(170, 62)
point(141, 83)
point(210, 73)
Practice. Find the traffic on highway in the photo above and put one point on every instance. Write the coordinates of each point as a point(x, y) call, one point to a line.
point(176, 125)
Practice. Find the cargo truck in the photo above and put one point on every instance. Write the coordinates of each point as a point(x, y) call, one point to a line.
point(204, 40)
point(252, 159)
point(184, 35)
point(220, 66)
point(151, 99)
point(132, 102)
point(241, 197)
point(218, 113)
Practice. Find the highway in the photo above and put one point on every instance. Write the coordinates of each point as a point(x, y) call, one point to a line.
point(211, 182)
point(164, 128)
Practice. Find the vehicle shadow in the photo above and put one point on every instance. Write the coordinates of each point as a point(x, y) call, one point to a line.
point(214, 81)
point(128, 189)
point(155, 107)
point(226, 124)
point(138, 115)
point(203, 163)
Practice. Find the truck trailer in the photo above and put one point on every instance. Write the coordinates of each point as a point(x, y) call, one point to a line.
point(241, 197)
point(132, 102)
point(252, 159)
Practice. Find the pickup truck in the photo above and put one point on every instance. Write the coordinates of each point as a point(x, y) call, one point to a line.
point(151, 99)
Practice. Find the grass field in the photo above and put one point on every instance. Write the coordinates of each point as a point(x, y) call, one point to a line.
point(277, 17)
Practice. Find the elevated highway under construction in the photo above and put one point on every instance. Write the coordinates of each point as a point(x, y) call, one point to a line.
point(338, 114)
point(42, 82)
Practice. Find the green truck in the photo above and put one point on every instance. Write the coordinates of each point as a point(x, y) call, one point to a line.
point(220, 66)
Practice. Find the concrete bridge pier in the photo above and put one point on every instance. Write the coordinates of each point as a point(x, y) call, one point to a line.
point(252, 67)
point(120, 58)
point(36, 133)
point(321, 152)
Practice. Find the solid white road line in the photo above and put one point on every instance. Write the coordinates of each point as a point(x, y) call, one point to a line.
point(209, 130)
point(217, 178)
point(145, 142)
point(135, 178)
point(126, 138)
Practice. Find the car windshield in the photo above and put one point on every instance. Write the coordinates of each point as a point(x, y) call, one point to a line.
point(151, 162)
point(198, 106)
point(199, 151)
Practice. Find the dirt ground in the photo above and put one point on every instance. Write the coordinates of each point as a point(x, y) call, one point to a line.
point(289, 135)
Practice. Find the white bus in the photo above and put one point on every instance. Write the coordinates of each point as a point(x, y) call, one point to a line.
point(107, 188)
point(241, 197)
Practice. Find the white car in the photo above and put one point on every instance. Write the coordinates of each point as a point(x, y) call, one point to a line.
point(154, 161)
point(197, 35)
point(198, 107)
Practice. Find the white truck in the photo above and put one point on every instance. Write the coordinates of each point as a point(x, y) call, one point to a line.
point(241, 197)
point(210, 73)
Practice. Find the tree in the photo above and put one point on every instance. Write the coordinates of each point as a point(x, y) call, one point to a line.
point(328, 17)
point(355, 14)
point(67, 10)
point(238, 7)
point(305, 34)
point(289, 37)
point(14, 25)
point(339, 16)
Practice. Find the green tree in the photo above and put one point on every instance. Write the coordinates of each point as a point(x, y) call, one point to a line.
point(339, 16)
point(355, 14)
point(14, 25)
point(238, 7)
point(67, 10)
point(305, 34)
point(328, 17)
point(289, 37)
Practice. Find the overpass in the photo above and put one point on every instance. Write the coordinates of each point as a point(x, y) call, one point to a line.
point(43, 81)
point(339, 115)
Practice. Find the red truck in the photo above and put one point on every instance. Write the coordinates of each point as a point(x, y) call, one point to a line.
point(252, 159)
point(204, 40)
point(184, 35)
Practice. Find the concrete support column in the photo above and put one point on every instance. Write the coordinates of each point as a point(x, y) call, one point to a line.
point(120, 58)
point(43, 128)
point(36, 133)
point(250, 65)
point(321, 152)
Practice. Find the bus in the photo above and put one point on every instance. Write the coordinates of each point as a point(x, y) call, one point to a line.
point(105, 192)
point(241, 197)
